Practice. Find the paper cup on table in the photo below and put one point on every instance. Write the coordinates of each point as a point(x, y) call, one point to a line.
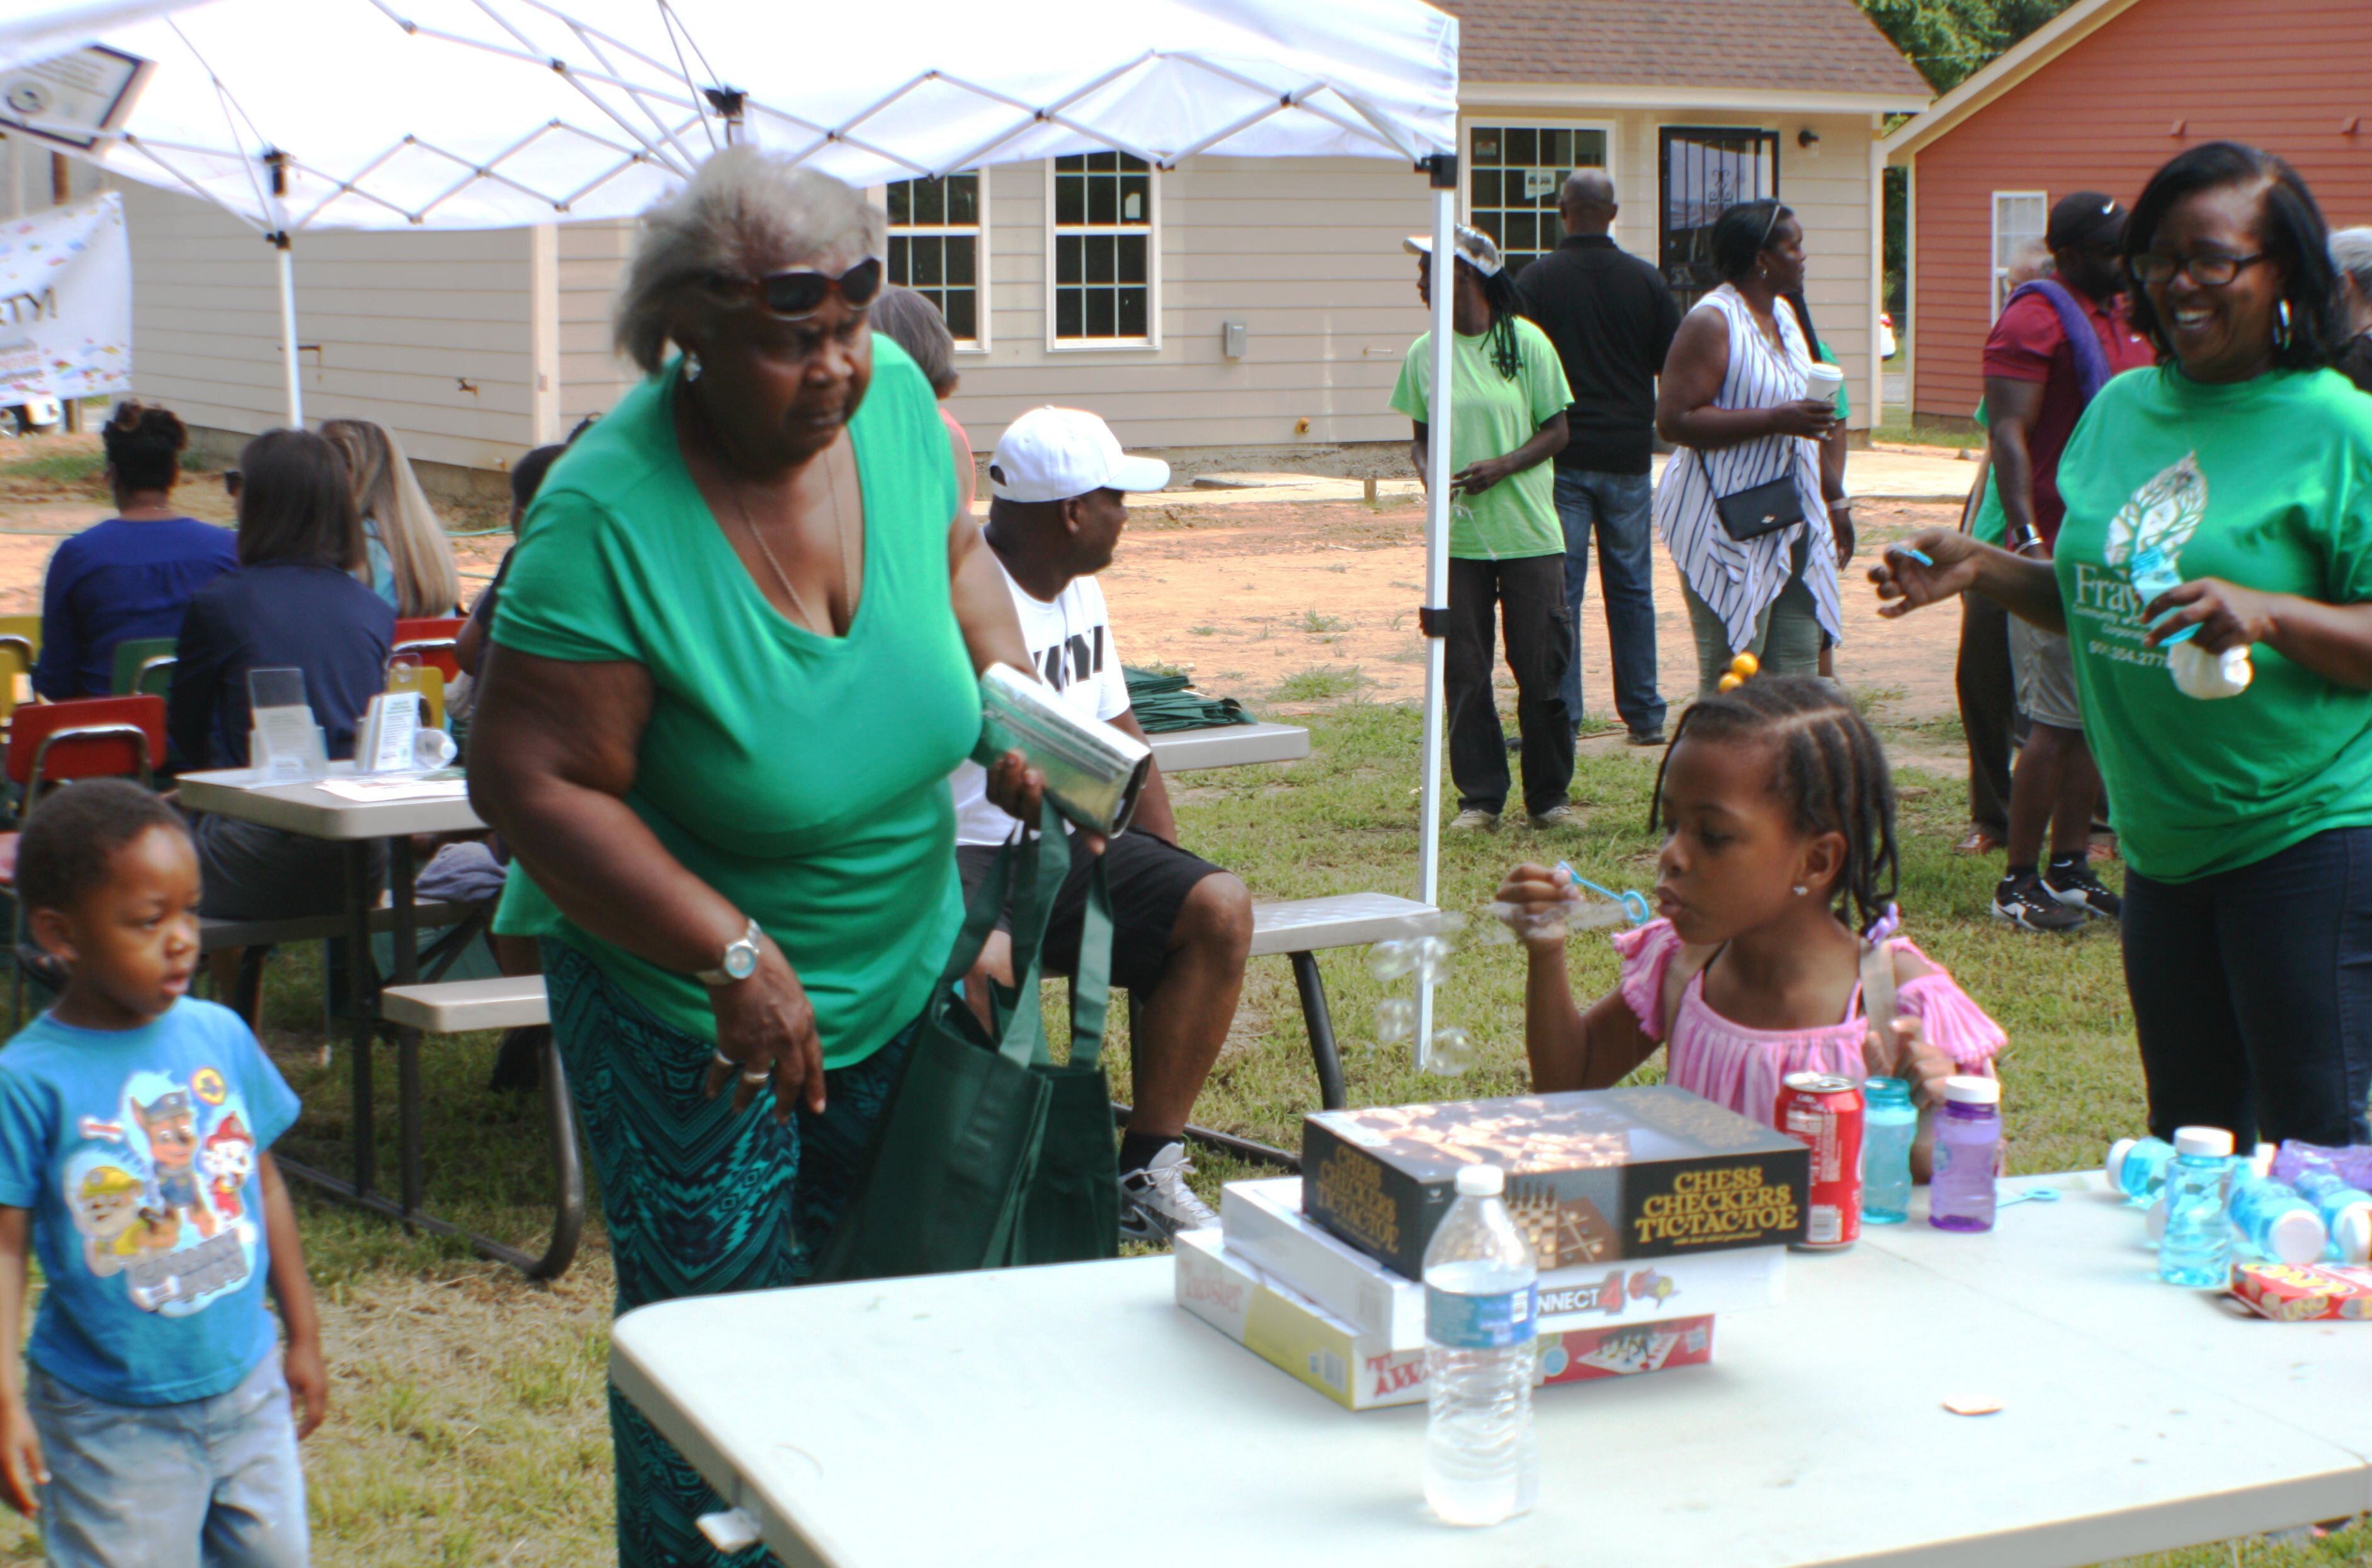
point(1824, 382)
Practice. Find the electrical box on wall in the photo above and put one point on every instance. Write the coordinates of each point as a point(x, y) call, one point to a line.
point(1234, 338)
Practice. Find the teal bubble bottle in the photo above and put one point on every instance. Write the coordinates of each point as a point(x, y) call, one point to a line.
point(2275, 1221)
point(2196, 1250)
point(1890, 1124)
point(2137, 1167)
point(2346, 1212)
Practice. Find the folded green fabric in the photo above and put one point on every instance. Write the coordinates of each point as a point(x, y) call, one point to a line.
point(1167, 702)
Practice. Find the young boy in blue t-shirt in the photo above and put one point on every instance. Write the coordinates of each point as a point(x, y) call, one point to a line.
point(134, 1129)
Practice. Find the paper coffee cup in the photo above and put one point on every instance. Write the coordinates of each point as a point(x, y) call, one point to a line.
point(1824, 382)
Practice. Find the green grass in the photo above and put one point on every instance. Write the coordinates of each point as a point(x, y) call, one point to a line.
point(1318, 684)
point(72, 467)
point(1897, 427)
point(468, 1423)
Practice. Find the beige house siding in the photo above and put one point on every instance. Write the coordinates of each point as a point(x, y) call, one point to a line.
point(1305, 252)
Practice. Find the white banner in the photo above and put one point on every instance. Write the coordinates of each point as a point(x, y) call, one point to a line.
point(66, 302)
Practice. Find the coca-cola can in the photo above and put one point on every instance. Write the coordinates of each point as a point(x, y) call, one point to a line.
point(1823, 1112)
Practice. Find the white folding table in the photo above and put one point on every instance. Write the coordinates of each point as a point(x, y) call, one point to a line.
point(1228, 746)
point(950, 1420)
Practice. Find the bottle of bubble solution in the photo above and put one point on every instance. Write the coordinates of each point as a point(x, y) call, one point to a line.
point(1889, 1125)
point(2346, 1211)
point(2275, 1221)
point(1968, 1148)
point(2137, 1167)
point(1481, 1464)
point(2196, 1248)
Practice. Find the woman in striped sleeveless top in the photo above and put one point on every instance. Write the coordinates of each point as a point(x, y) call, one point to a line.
point(1732, 401)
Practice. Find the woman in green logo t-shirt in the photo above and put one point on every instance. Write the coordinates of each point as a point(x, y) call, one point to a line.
point(733, 665)
point(2243, 467)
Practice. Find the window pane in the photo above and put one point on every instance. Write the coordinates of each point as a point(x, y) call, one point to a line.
point(930, 201)
point(1100, 314)
point(1067, 316)
point(1103, 160)
point(898, 262)
point(927, 271)
point(1070, 198)
point(1489, 224)
point(1523, 147)
point(962, 309)
point(1523, 233)
point(1486, 188)
point(1590, 149)
point(961, 257)
point(901, 201)
point(1075, 162)
point(1130, 250)
point(1101, 254)
point(1556, 149)
point(1103, 199)
point(1131, 313)
point(963, 198)
point(1070, 251)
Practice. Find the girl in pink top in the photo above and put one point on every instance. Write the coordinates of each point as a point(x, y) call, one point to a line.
point(1777, 869)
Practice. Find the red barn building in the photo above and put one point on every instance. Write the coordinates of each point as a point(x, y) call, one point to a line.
point(2099, 100)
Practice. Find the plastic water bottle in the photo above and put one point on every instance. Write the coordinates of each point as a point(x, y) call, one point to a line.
point(1890, 1124)
point(1481, 1464)
point(2274, 1220)
point(2346, 1212)
point(2137, 1167)
point(2196, 1250)
point(1968, 1148)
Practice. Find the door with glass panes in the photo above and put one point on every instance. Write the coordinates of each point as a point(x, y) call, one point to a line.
point(1704, 169)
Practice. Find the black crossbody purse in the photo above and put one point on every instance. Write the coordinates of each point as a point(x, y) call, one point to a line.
point(1766, 508)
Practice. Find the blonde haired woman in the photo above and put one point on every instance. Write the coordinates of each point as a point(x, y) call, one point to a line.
point(410, 560)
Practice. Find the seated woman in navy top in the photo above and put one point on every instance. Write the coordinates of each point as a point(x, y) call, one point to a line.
point(292, 604)
point(132, 576)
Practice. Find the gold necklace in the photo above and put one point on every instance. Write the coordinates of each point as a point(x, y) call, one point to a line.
point(822, 626)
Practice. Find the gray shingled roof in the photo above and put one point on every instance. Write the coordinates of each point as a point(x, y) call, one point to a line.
point(1807, 45)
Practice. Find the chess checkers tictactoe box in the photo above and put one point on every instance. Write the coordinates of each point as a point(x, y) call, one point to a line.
point(1592, 1177)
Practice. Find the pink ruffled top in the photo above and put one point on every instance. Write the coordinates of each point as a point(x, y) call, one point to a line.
point(1742, 1068)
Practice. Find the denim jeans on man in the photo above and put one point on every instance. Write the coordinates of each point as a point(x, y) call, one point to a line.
point(169, 1486)
point(2252, 992)
point(1619, 509)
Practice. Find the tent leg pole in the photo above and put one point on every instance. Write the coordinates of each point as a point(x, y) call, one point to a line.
point(1436, 568)
point(288, 331)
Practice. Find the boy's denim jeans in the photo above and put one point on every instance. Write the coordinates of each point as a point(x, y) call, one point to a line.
point(212, 1482)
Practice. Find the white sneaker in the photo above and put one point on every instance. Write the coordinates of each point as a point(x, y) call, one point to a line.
point(1474, 820)
point(1156, 1204)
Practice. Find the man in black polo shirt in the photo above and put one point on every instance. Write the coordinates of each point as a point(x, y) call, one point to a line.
point(1611, 319)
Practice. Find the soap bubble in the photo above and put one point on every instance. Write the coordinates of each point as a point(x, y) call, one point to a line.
point(1431, 955)
point(1395, 1020)
point(1452, 1052)
point(1390, 961)
point(1493, 932)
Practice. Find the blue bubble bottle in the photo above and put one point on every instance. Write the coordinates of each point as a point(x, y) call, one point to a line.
point(2196, 1250)
point(1889, 1125)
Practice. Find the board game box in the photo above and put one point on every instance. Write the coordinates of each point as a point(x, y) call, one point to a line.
point(1357, 1370)
point(1262, 1222)
point(1594, 1177)
point(2302, 1292)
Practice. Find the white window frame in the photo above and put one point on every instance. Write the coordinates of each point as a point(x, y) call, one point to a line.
point(1151, 229)
point(979, 231)
point(1996, 273)
point(1517, 121)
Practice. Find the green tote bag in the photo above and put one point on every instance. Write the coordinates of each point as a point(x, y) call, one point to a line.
point(988, 1155)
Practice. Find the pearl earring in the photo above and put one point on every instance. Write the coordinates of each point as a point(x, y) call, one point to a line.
point(1800, 890)
point(691, 367)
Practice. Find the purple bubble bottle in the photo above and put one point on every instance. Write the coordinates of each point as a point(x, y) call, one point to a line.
point(1967, 1147)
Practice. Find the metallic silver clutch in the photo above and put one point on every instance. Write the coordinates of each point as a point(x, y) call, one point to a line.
point(1093, 771)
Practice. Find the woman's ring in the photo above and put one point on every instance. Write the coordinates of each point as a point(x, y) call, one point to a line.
point(760, 1076)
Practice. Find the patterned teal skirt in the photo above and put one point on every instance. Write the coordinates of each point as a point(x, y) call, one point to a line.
point(698, 1200)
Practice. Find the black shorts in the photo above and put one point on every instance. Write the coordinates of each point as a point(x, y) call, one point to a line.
point(1149, 879)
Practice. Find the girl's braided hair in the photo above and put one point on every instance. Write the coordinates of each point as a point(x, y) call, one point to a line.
point(1499, 293)
point(1831, 774)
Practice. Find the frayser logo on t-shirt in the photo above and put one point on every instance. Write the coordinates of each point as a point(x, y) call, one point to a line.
point(2161, 516)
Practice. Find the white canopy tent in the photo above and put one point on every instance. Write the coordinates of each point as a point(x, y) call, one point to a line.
point(455, 114)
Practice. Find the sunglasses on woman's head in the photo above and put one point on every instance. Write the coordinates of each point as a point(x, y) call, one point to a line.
point(800, 293)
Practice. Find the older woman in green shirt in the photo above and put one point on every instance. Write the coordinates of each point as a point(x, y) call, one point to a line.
point(2246, 823)
point(734, 663)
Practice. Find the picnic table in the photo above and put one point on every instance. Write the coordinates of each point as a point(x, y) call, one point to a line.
point(317, 812)
point(941, 1419)
point(1228, 746)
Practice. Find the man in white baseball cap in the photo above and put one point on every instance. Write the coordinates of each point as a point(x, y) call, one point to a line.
point(1058, 485)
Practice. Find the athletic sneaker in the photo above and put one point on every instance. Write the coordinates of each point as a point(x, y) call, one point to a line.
point(1156, 1204)
point(2027, 905)
point(2078, 888)
point(1474, 820)
point(1556, 817)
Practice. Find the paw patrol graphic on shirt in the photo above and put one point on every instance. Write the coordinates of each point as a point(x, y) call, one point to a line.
point(157, 1190)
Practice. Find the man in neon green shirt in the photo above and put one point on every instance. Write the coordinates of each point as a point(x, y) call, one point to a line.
point(1506, 546)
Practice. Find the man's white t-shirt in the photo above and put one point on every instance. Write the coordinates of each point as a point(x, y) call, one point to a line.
point(1070, 641)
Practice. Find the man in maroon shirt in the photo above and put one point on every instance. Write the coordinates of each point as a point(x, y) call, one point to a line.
point(2039, 377)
